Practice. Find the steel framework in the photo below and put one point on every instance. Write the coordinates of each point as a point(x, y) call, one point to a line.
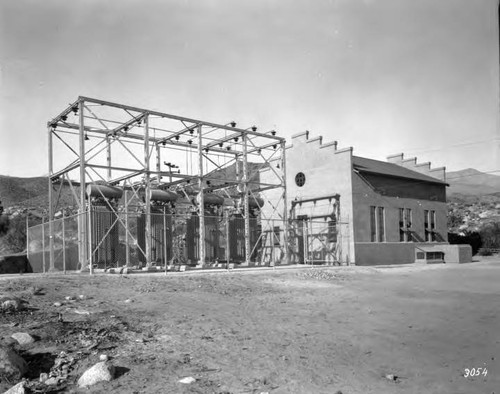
point(100, 142)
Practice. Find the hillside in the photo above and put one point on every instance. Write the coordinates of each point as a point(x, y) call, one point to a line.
point(18, 192)
point(471, 182)
point(22, 191)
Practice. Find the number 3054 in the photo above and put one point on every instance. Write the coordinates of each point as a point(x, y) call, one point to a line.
point(475, 372)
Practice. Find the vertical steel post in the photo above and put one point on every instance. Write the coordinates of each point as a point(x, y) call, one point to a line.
point(286, 224)
point(201, 199)
point(108, 157)
point(305, 241)
point(147, 180)
point(228, 252)
point(51, 207)
point(127, 250)
point(82, 220)
point(165, 237)
point(89, 237)
point(64, 241)
point(245, 199)
point(43, 243)
point(311, 234)
point(273, 244)
point(27, 235)
point(158, 162)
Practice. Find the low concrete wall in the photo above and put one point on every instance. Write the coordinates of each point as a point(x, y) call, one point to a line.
point(375, 253)
point(454, 254)
point(384, 253)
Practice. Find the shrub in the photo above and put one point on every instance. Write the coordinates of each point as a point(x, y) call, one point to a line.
point(15, 237)
point(490, 235)
point(472, 238)
point(4, 224)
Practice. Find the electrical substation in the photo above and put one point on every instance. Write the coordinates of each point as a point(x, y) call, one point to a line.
point(156, 191)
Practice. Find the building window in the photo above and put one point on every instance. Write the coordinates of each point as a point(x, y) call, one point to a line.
point(405, 220)
point(377, 224)
point(373, 225)
point(430, 225)
point(300, 179)
point(402, 230)
point(381, 224)
point(433, 226)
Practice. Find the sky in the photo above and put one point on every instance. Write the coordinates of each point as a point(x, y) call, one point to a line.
point(383, 76)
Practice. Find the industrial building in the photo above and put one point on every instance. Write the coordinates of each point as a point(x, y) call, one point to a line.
point(363, 211)
point(156, 191)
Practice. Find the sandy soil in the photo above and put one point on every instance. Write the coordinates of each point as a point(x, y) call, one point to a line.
point(321, 330)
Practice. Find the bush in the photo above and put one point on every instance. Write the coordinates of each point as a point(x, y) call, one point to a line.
point(15, 237)
point(490, 234)
point(4, 224)
point(485, 252)
point(472, 238)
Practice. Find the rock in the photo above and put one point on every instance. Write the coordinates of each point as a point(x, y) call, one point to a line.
point(128, 301)
point(391, 377)
point(81, 312)
point(103, 357)
point(57, 304)
point(17, 389)
point(8, 342)
point(187, 380)
point(52, 381)
point(69, 298)
point(43, 377)
point(100, 372)
point(12, 366)
point(23, 338)
point(10, 303)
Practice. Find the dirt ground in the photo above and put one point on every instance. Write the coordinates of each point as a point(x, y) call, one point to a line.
point(322, 330)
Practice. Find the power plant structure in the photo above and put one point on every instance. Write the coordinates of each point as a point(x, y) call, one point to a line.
point(138, 188)
point(150, 189)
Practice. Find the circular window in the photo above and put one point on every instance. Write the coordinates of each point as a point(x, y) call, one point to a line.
point(300, 179)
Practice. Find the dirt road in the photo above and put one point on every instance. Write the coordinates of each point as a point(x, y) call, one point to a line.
point(332, 330)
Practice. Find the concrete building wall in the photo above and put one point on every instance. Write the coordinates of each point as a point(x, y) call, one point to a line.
point(328, 171)
point(391, 251)
point(423, 168)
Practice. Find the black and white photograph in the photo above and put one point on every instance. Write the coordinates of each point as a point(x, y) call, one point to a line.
point(252, 196)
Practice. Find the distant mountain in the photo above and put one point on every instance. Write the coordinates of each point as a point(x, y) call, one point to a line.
point(30, 193)
point(471, 182)
point(22, 191)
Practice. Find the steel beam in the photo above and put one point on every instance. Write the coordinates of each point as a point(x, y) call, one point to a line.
point(82, 239)
point(158, 163)
point(178, 133)
point(139, 137)
point(285, 204)
point(201, 199)
point(128, 123)
point(51, 206)
point(245, 200)
point(179, 118)
point(147, 196)
point(64, 113)
point(108, 157)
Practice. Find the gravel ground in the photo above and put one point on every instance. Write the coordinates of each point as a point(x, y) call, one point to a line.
point(406, 329)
